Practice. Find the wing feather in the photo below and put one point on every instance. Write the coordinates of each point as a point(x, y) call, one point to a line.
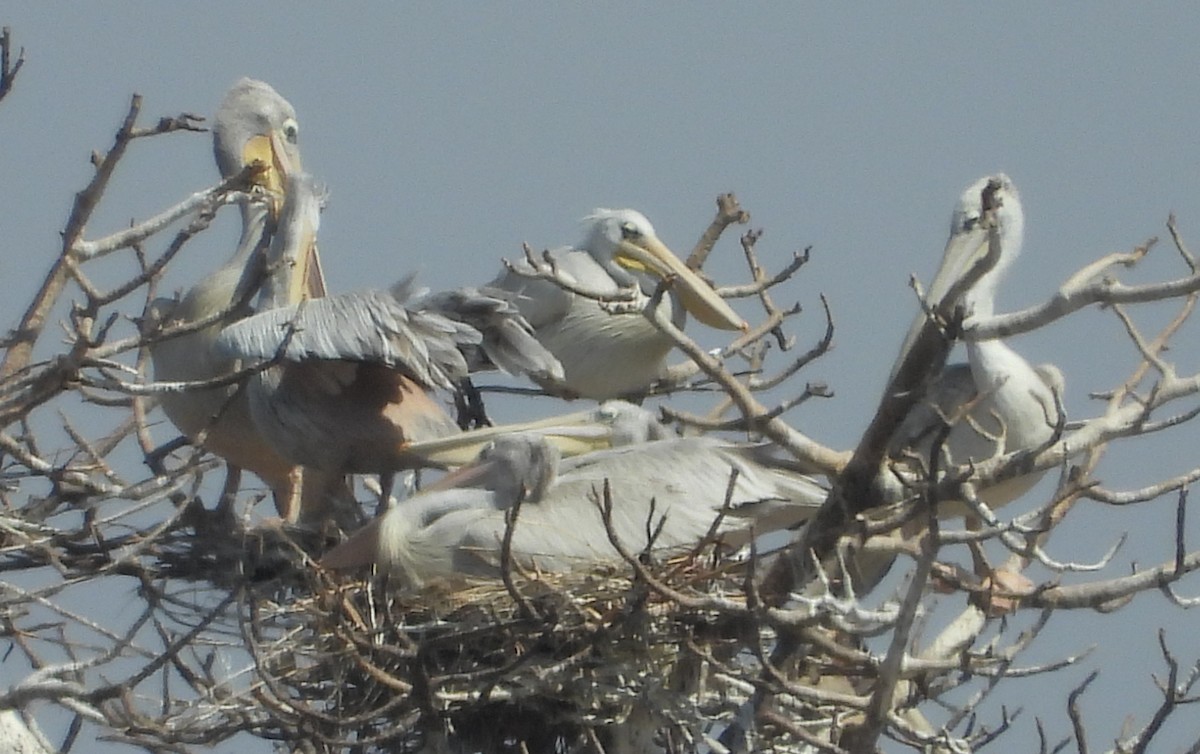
point(370, 326)
point(507, 341)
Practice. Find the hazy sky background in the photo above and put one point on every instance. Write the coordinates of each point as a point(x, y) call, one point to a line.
point(451, 133)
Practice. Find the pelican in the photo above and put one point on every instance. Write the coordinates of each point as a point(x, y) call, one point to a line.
point(1018, 403)
point(604, 354)
point(676, 487)
point(611, 424)
point(357, 373)
point(253, 123)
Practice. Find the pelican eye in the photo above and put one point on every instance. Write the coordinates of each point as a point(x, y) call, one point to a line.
point(291, 131)
point(970, 222)
point(629, 231)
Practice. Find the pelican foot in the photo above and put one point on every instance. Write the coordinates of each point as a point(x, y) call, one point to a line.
point(1001, 592)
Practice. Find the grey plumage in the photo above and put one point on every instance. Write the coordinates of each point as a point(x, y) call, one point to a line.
point(253, 124)
point(352, 386)
point(506, 338)
point(375, 326)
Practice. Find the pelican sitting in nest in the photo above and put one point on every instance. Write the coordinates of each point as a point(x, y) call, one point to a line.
point(667, 495)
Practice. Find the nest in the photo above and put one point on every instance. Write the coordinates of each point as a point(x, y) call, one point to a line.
point(540, 662)
point(620, 657)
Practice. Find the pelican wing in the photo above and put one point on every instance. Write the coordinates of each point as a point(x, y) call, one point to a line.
point(675, 487)
point(687, 479)
point(368, 326)
point(1001, 421)
point(1018, 413)
point(507, 338)
point(953, 389)
point(542, 302)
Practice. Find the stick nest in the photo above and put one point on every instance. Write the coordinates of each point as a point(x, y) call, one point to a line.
point(546, 662)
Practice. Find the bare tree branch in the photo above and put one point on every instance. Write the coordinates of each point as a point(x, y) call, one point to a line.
point(8, 68)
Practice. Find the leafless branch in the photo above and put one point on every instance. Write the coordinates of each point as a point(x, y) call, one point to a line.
point(729, 212)
point(33, 322)
point(8, 68)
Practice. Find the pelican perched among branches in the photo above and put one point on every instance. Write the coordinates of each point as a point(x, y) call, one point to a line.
point(356, 374)
point(997, 402)
point(253, 124)
point(666, 495)
point(608, 354)
point(994, 404)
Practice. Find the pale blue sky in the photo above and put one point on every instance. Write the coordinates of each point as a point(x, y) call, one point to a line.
point(450, 133)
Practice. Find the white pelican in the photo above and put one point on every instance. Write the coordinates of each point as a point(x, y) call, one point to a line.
point(611, 424)
point(354, 387)
point(680, 483)
point(606, 355)
point(253, 123)
point(1018, 403)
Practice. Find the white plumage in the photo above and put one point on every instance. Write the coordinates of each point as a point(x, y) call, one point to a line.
point(675, 487)
point(1018, 409)
point(605, 354)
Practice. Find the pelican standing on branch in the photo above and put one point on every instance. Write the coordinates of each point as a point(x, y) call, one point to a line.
point(608, 354)
point(1013, 406)
point(670, 491)
point(253, 124)
point(357, 373)
point(994, 404)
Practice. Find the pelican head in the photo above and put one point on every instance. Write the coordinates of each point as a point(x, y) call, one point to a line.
point(991, 200)
point(995, 192)
point(624, 243)
point(513, 466)
point(517, 464)
point(630, 424)
point(968, 241)
point(254, 123)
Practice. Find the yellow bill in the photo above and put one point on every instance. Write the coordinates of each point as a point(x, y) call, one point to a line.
point(648, 254)
point(278, 165)
point(573, 434)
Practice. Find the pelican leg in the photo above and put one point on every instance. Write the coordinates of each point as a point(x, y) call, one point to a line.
point(233, 480)
point(1003, 580)
point(468, 404)
point(387, 481)
point(287, 499)
point(309, 497)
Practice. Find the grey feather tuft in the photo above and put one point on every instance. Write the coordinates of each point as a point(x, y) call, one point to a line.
point(369, 326)
point(507, 340)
